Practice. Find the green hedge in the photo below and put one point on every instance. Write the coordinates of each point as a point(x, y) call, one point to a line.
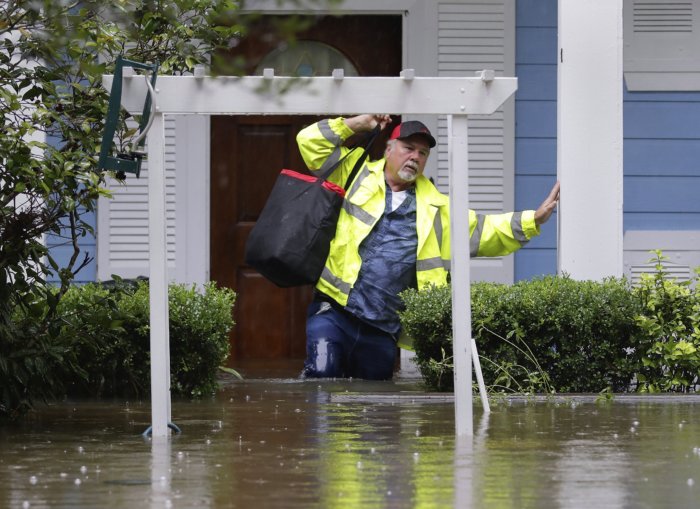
point(97, 343)
point(669, 331)
point(109, 326)
point(548, 334)
point(35, 359)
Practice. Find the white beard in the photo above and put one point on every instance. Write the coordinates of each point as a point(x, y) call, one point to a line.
point(407, 175)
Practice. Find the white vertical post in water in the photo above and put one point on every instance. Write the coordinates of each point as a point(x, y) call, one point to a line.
point(158, 280)
point(461, 288)
point(589, 138)
point(161, 472)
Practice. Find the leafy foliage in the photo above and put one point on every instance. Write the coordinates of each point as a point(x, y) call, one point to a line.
point(109, 328)
point(547, 334)
point(32, 368)
point(427, 319)
point(99, 320)
point(669, 346)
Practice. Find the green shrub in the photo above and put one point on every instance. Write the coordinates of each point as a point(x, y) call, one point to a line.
point(34, 358)
point(103, 322)
point(199, 342)
point(669, 345)
point(427, 319)
point(551, 333)
point(112, 327)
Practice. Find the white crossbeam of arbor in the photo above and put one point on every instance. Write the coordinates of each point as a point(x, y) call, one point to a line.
point(227, 95)
point(335, 95)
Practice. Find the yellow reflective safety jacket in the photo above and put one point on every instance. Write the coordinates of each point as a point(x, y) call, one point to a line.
point(490, 235)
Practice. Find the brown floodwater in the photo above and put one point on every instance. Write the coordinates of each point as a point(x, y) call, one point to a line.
point(283, 443)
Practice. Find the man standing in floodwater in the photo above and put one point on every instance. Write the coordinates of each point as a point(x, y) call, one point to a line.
point(393, 234)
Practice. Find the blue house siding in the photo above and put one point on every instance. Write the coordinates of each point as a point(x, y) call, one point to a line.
point(536, 126)
point(61, 249)
point(662, 161)
point(661, 144)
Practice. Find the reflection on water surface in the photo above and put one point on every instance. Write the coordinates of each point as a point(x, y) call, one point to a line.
point(293, 444)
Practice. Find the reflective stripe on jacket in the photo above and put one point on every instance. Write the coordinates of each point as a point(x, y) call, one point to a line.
point(490, 235)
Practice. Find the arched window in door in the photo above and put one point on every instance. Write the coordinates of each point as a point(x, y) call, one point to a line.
point(306, 58)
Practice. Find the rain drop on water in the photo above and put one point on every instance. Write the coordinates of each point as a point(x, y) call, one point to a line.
point(33, 480)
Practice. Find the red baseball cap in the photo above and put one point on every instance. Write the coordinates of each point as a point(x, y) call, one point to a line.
point(411, 127)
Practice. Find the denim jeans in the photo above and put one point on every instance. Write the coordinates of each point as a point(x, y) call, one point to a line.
point(339, 345)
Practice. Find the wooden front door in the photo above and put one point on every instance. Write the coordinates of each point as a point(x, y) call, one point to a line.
point(247, 153)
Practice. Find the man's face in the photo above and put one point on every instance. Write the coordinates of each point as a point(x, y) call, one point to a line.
point(405, 161)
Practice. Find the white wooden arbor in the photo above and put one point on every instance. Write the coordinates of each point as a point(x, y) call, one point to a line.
point(333, 95)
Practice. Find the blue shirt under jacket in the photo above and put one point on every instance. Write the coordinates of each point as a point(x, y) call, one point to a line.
point(388, 266)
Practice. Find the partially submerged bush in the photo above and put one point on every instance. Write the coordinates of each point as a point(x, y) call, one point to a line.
point(580, 332)
point(112, 329)
point(111, 360)
point(427, 319)
point(669, 344)
point(34, 358)
point(552, 333)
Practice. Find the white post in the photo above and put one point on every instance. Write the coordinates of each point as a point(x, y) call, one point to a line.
point(480, 376)
point(461, 288)
point(161, 472)
point(589, 138)
point(158, 280)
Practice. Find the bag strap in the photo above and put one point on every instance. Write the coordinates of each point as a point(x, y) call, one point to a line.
point(370, 140)
point(371, 136)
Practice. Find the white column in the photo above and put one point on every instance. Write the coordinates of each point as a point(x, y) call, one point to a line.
point(589, 138)
point(461, 288)
point(192, 199)
point(158, 280)
point(161, 473)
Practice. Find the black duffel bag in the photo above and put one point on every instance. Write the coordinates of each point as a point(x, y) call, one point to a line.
point(291, 239)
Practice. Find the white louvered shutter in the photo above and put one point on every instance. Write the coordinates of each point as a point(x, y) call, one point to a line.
point(473, 36)
point(122, 231)
point(681, 249)
point(661, 41)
